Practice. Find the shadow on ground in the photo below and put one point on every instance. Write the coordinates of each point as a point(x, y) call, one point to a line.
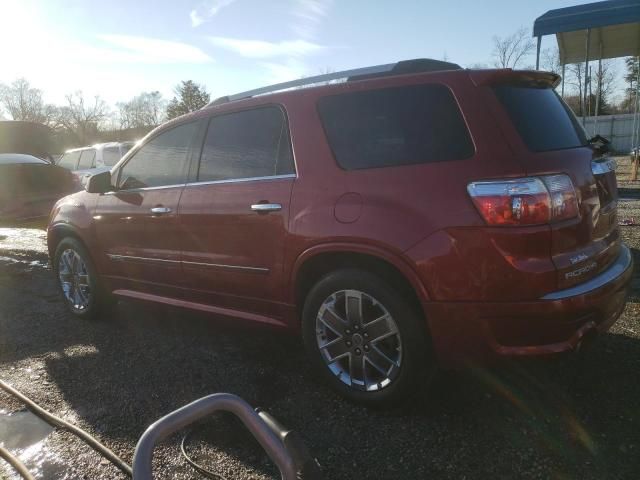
point(575, 416)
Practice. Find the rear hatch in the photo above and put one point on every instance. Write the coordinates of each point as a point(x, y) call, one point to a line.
point(548, 139)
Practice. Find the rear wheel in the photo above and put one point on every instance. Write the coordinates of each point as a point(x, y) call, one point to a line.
point(78, 280)
point(365, 339)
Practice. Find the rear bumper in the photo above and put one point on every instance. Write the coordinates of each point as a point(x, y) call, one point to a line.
point(468, 333)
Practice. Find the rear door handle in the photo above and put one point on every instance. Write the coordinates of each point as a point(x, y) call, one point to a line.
point(160, 210)
point(266, 207)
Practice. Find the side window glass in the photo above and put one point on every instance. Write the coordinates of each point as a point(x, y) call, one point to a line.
point(69, 160)
point(161, 161)
point(248, 144)
point(87, 159)
point(395, 126)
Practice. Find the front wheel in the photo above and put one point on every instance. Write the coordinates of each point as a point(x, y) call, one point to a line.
point(78, 280)
point(365, 339)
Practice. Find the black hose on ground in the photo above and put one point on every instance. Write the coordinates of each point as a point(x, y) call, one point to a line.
point(64, 425)
point(16, 464)
point(207, 473)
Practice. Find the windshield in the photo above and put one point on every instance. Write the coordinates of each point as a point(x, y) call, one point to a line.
point(110, 156)
point(543, 120)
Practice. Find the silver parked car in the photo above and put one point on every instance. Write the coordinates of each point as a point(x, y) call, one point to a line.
point(87, 161)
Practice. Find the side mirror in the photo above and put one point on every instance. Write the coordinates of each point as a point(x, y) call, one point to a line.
point(99, 183)
point(600, 144)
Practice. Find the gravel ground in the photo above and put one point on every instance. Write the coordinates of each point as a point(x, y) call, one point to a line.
point(571, 417)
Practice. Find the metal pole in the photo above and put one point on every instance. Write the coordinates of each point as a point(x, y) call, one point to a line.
point(635, 114)
point(590, 93)
point(538, 52)
point(586, 77)
point(635, 159)
point(562, 87)
point(202, 408)
point(611, 137)
point(598, 90)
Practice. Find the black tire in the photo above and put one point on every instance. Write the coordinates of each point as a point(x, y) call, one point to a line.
point(99, 301)
point(417, 364)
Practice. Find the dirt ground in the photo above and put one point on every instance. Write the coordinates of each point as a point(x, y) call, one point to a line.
point(577, 416)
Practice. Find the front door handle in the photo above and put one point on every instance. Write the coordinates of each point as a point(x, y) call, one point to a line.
point(266, 207)
point(160, 210)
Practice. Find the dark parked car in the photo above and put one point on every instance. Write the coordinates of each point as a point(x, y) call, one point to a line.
point(29, 187)
point(418, 216)
point(29, 138)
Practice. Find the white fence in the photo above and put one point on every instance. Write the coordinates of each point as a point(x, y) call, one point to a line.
point(617, 128)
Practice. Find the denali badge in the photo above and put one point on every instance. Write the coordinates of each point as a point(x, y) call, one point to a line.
point(578, 258)
point(581, 271)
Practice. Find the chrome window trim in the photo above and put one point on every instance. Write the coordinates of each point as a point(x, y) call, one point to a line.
point(212, 182)
point(243, 180)
point(619, 267)
point(120, 258)
point(228, 267)
point(145, 189)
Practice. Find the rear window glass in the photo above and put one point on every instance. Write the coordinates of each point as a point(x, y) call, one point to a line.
point(110, 156)
point(395, 126)
point(543, 120)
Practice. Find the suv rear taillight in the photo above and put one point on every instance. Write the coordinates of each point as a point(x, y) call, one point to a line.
point(525, 201)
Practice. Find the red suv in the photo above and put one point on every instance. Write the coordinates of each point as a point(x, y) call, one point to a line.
point(413, 215)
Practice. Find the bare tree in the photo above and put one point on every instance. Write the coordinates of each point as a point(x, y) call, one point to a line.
point(81, 117)
point(145, 110)
point(604, 85)
point(22, 102)
point(575, 79)
point(603, 82)
point(550, 60)
point(510, 50)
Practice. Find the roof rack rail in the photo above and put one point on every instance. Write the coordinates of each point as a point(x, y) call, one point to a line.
point(420, 65)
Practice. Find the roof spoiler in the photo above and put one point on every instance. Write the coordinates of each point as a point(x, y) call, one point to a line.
point(532, 78)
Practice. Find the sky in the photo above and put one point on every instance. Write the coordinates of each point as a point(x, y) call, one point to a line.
point(117, 49)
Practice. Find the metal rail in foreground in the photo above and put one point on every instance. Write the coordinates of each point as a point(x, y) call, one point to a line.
point(283, 447)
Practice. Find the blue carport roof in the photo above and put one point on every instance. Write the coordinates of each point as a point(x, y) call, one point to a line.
point(614, 24)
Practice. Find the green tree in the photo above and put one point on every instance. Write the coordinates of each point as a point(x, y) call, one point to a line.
point(189, 97)
point(631, 76)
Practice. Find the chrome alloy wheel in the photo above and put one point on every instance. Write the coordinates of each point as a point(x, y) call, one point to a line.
point(74, 280)
point(359, 340)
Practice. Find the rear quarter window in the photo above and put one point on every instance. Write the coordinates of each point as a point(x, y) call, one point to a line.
point(395, 126)
point(541, 118)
